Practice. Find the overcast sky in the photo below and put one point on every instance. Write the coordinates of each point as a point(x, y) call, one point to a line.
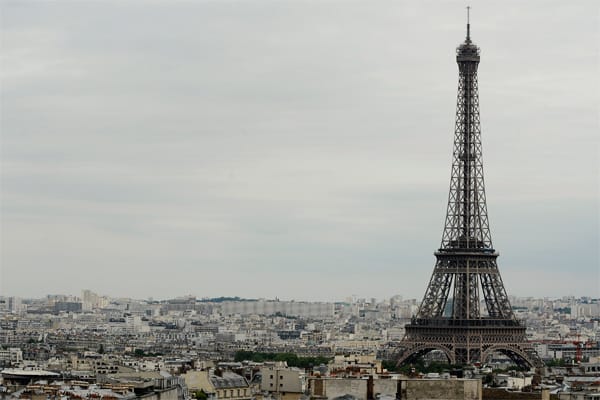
point(298, 149)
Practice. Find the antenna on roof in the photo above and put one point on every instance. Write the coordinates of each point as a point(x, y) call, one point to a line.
point(468, 25)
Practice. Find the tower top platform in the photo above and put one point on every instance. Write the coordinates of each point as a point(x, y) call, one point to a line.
point(467, 51)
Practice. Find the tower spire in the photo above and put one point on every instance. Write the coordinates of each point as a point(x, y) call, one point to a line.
point(468, 25)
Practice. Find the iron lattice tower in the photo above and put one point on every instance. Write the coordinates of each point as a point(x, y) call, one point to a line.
point(451, 317)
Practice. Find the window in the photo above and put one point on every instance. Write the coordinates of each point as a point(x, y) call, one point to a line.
point(280, 376)
point(271, 377)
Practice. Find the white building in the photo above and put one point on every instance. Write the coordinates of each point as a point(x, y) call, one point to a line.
point(291, 308)
point(589, 310)
point(283, 381)
point(12, 356)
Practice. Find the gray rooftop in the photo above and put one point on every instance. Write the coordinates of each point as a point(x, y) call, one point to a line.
point(228, 380)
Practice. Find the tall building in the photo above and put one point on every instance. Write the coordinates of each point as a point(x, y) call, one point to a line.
point(450, 318)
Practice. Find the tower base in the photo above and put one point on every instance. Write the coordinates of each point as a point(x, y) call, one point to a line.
point(468, 341)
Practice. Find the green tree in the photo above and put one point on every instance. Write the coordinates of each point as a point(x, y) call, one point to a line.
point(199, 394)
point(139, 353)
point(488, 379)
point(291, 359)
point(555, 362)
point(389, 365)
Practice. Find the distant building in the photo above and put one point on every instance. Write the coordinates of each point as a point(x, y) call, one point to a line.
point(589, 310)
point(68, 306)
point(18, 376)
point(283, 382)
point(91, 300)
point(355, 364)
point(218, 384)
point(10, 356)
point(404, 389)
point(512, 382)
point(81, 391)
point(289, 308)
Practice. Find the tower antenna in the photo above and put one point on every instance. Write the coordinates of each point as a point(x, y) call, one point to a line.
point(468, 24)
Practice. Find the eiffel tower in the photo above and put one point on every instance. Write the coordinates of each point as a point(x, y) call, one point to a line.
point(450, 318)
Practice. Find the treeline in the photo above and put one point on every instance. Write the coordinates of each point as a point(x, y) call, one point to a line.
point(563, 310)
point(291, 359)
point(223, 299)
point(419, 366)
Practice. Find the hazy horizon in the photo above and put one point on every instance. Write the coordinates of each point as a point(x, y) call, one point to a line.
point(234, 297)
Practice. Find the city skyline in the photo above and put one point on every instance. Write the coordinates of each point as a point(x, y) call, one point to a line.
point(297, 150)
point(350, 298)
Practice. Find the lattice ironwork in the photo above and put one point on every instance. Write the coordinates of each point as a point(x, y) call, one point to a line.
point(450, 318)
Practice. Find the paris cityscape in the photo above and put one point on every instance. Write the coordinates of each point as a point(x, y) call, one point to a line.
point(208, 347)
point(106, 230)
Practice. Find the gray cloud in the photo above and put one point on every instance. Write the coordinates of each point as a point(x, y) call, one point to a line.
point(291, 149)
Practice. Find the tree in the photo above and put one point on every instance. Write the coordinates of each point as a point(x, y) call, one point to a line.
point(139, 353)
point(488, 379)
point(199, 394)
point(291, 359)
